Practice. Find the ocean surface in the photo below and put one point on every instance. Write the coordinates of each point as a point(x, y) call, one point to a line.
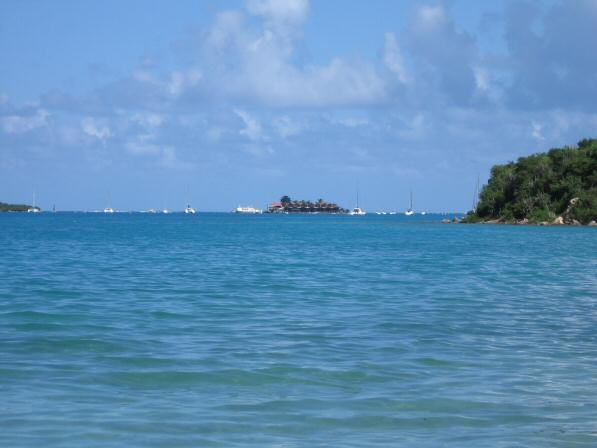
point(222, 330)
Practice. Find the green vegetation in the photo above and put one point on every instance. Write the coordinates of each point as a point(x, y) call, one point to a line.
point(543, 187)
point(14, 207)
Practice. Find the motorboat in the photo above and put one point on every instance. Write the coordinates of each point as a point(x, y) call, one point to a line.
point(247, 210)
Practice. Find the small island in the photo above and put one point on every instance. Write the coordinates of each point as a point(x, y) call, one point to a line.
point(553, 188)
point(287, 205)
point(4, 207)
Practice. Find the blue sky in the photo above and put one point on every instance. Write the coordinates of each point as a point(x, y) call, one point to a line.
point(221, 103)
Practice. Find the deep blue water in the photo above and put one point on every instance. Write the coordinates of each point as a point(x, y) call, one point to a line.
point(295, 331)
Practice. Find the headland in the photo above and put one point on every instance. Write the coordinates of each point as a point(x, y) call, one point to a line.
point(558, 187)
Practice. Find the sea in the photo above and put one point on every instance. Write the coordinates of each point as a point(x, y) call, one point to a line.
point(225, 330)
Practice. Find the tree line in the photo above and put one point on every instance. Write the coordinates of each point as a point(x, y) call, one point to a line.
point(542, 187)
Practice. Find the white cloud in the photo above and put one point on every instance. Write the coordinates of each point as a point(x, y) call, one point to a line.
point(537, 131)
point(429, 17)
point(282, 17)
point(287, 127)
point(252, 130)
point(180, 81)
point(481, 78)
point(393, 58)
point(176, 83)
point(94, 128)
point(256, 64)
point(17, 124)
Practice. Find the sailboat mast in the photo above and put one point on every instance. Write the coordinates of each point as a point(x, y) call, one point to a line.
point(476, 195)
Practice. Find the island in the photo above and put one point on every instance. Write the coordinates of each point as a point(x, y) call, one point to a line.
point(287, 205)
point(554, 188)
point(4, 207)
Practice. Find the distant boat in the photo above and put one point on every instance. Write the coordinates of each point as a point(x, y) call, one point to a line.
point(151, 210)
point(189, 210)
point(247, 210)
point(109, 208)
point(410, 211)
point(165, 211)
point(357, 211)
point(33, 208)
point(423, 213)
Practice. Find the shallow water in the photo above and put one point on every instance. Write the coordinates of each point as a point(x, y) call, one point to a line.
point(295, 331)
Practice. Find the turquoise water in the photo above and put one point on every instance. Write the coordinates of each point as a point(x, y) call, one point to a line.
point(295, 331)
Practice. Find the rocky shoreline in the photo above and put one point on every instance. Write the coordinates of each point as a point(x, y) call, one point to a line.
point(559, 221)
point(563, 220)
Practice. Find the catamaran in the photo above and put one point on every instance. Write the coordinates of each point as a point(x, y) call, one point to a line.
point(189, 210)
point(357, 211)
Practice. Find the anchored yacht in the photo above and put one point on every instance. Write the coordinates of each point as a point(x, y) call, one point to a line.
point(357, 211)
point(247, 210)
point(33, 208)
point(410, 211)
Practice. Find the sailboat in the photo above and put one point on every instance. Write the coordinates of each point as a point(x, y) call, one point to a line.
point(109, 209)
point(189, 210)
point(357, 211)
point(33, 208)
point(410, 211)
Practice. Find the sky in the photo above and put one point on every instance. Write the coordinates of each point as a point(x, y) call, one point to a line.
point(156, 104)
